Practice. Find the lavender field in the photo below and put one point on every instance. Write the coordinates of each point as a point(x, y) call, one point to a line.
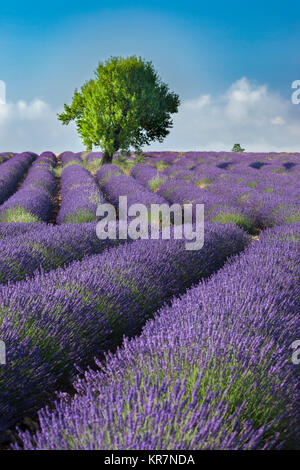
point(142, 344)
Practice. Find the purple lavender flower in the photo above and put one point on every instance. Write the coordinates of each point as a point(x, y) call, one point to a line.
point(67, 157)
point(10, 230)
point(11, 173)
point(46, 247)
point(80, 196)
point(33, 202)
point(106, 171)
point(68, 316)
point(210, 371)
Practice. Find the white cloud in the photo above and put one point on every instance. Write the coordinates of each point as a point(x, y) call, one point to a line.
point(201, 102)
point(248, 113)
point(2, 92)
point(34, 126)
point(278, 121)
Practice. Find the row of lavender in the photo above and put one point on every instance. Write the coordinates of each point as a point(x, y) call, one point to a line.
point(245, 189)
point(33, 201)
point(234, 189)
point(80, 194)
point(284, 161)
point(4, 156)
point(67, 316)
point(114, 183)
point(40, 257)
point(53, 246)
point(12, 171)
point(211, 371)
point(29, 248)
point(239, 189)
point(10, 230)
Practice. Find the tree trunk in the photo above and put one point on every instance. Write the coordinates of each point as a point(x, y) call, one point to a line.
point(106, 158)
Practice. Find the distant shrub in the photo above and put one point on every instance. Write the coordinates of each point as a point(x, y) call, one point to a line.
point(237, 148)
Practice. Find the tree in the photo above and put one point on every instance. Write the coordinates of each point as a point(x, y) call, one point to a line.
point(237, 148)
point(125, 106)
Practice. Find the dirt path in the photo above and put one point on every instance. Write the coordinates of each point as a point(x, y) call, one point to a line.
point(57, 199)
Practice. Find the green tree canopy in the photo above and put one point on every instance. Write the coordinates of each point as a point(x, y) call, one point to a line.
point(237, 148)
point(125, 106)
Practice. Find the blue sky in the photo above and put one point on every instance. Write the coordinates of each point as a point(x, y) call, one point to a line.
point(211, 49)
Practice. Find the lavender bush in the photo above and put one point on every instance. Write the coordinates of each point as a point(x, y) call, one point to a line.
point(9, 230)
point(33, 202)
point(11, 173)
point(148, 176)
point(80, 196)
point(70, 157)
point(67, 316)
point(47, 248)
point(211, 371)
point(4, 156)
point(106, 172)
point(114, 186)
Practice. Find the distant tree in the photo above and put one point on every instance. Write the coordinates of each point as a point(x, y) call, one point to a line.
point(125, 106)
point(237, 148)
